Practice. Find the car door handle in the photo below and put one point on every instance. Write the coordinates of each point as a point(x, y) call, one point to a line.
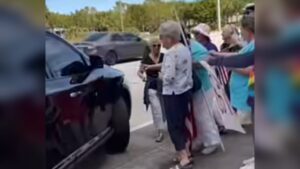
point(75, 94)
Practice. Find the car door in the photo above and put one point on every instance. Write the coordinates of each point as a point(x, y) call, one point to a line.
point(64, 62)
point(124, 49)
point(136, 43)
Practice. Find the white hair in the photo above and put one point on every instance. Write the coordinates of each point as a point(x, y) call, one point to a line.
point(170, 29)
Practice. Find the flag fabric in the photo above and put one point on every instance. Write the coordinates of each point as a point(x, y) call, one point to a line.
point(190, 119)
point(229, 116)
point(296, 74)
point(223, 75)
point(251, 82)
point(191, 126)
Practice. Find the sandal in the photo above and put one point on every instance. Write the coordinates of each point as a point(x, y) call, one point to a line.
point(176, 160)
point(186, 166)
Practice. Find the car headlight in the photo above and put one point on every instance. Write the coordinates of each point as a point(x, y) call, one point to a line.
point(90, 50)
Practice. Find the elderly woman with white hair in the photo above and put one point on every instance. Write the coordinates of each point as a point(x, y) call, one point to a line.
point(177, 83)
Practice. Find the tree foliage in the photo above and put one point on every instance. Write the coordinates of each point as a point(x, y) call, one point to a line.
point(144, 17)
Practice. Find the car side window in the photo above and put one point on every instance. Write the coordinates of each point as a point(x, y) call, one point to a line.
point(116, 37)
point(131, 37)
point(62, 59)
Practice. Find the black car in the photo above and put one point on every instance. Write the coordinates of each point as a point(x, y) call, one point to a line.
point(87, 105)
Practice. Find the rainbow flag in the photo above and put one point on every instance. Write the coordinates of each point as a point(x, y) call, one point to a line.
point(295, 75)
point(296, 79)
point(251, 81)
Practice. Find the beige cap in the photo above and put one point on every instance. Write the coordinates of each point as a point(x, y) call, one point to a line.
point(170, 29)
point(202, 28)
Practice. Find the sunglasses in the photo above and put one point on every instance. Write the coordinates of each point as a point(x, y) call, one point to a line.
point(156, 45)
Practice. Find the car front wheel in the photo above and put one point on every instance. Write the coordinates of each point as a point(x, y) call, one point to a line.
point(120, 123)
point(111, 58)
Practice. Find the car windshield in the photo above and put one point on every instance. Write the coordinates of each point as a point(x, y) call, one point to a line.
point(61, 59)
point(96, 37)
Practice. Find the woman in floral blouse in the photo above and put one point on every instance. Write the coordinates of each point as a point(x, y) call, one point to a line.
point(177, 83)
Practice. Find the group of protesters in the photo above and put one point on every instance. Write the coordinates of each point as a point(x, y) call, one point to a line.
point(178, 89)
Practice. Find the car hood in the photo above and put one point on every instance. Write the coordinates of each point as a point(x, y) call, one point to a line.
point(86, 44)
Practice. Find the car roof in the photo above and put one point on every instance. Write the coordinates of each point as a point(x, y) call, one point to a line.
point(121, 33)
point(128, 33)
point(94, 32)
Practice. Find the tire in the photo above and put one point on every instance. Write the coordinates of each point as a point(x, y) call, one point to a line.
point(120, 123)
point(111, 58)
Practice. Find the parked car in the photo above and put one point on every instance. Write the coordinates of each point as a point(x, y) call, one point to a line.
point(87, 105)
point(113, 47)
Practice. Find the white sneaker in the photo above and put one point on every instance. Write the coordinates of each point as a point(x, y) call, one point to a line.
point(245, 118)
point(209, 150)
point(248, 164)
point(248, 161)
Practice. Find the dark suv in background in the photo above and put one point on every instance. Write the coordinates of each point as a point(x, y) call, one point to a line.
point(87, 105)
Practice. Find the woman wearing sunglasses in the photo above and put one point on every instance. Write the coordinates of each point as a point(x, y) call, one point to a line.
point(152, 95)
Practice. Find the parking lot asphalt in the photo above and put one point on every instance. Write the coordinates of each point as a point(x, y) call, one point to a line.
point(144, 153)
point(140, 117)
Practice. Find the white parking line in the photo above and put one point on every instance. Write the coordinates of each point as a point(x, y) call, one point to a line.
point(141, 126)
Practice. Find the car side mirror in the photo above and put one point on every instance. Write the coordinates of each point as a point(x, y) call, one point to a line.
point(74, 68)
point(96, 62)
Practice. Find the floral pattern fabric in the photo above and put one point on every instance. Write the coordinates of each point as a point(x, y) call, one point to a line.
point(177, 70)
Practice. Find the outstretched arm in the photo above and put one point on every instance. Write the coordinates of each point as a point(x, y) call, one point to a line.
point(223, 54)
point(155, 67)
point(236, 61)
